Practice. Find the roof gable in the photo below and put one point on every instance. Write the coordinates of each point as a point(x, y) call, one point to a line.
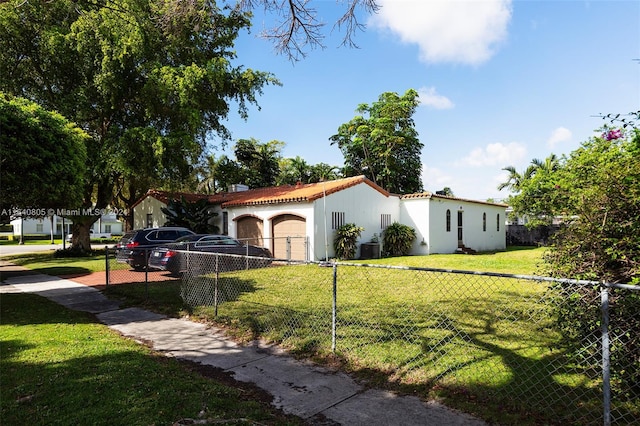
point(430, 195)
point(165, 196)
point(271, 195)
point(295, 193)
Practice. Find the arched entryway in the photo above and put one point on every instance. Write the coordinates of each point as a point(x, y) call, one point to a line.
point(249, 228)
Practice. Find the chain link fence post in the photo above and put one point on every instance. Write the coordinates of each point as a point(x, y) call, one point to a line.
point(606, 365)
point(146, 272)
point(334, 309)
point(106, 266)
point(215, 286)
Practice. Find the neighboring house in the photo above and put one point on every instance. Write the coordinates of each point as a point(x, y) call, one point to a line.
point(307, 216)
point(147, 211)
point(106, 224)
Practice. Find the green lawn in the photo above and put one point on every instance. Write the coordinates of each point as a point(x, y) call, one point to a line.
point(60, 367)
point(482, 344)
point(47, 263)
point(515, 260)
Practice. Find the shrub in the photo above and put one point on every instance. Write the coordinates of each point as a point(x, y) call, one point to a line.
point(71, 252)
point(397, 240)
point(346, 242)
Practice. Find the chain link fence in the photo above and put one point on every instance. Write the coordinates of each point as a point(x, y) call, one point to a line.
point(512, 349)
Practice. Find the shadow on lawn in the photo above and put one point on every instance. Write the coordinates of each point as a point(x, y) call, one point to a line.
point(474, 359)
point(101, 379)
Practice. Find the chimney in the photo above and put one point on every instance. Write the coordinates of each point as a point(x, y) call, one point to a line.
point(237, 187)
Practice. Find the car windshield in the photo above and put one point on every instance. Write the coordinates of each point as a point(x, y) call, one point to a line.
point(185, 239)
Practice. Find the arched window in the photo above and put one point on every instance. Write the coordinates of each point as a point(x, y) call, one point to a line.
point(448, 220)
point(498, 222)
point(484, 222)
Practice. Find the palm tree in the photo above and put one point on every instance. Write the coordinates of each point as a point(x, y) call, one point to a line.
point(514, 181)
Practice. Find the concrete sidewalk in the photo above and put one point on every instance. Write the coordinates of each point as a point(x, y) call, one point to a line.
point(303, 389)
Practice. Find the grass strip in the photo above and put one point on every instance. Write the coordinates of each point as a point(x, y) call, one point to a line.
point(60, 367)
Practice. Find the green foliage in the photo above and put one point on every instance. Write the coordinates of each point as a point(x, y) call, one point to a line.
point(195, 215)
point(600, 186)
point(578, 318)
point(345, 243)
point(384, 144)
point(259, 162)
point(43, 157)
point(397, 240)
point(151, 82)
point(294, 170)
point(536, 191)
point(597, 189)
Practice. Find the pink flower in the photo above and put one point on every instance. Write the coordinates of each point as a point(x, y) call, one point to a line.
point(612, 134)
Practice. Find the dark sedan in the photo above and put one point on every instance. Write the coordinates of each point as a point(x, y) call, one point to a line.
point(185, 254)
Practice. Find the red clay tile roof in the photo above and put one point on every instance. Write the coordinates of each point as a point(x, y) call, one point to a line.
point(446, 197)
point(272, 195)
point(295, 193)
point(165, 196)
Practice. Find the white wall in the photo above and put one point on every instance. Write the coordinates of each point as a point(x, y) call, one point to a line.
point(363, 206)
point(152, 206)
point(478, 239)
point(266, 213)
point(428, 216)
point(441, 240)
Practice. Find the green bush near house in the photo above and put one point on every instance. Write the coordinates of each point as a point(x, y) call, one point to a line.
point(397, 240)
point(346, 241)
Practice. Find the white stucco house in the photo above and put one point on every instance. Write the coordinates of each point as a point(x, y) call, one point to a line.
point(106, 224)
point(300, 221)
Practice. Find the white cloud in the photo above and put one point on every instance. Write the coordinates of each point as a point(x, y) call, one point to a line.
point(561, 134)
point(495, 154)
point(431, 98)
point(467, 32)
point(435, 179)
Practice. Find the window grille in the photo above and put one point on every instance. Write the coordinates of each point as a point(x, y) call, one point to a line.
point(337, 219)
point(385, 221)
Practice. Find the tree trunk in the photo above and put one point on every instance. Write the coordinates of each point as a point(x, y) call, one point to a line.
point(80, 235)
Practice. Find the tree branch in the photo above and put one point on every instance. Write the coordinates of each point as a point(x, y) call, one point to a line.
point(300, 29)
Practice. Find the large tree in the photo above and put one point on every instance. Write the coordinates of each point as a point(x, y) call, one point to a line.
point(596, 190)
point(382, 143)
point(150, 81)
point(42, 159)
point(260, 161)
point(534, 191)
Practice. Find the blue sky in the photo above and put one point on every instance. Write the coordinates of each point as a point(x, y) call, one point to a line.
point(500, 82)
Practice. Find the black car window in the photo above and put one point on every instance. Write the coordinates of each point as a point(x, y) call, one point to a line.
point(229, 242)
point(208, 242)
point(151, 236)
point(167, 235)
